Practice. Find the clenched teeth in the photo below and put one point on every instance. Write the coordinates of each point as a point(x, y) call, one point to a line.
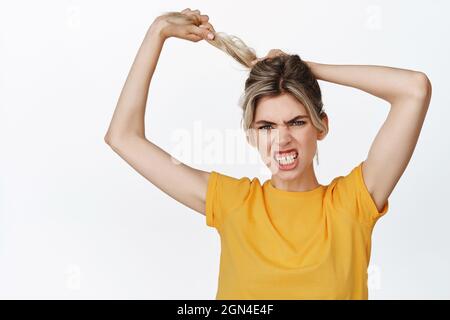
point(288, 159)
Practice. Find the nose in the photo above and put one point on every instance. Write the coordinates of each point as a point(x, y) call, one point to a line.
point(282, 136)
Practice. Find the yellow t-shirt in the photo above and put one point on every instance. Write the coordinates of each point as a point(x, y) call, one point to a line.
point(278, 244)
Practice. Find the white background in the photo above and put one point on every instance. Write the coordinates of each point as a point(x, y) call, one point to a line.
point(76, 221)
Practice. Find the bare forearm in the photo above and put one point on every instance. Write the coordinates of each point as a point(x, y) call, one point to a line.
point(128, 117)
point(387, 83)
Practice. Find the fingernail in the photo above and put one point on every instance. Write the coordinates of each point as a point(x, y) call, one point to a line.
point(210, 36)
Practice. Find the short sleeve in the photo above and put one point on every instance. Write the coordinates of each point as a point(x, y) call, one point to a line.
point(211, 202)
point(352, 193)
point(224, 193)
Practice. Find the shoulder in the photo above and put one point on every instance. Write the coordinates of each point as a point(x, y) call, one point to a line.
point(350, 191)
point(225, 193)
point(238, 186)
point(228, 184)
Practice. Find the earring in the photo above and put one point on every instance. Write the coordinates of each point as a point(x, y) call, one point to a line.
point(317, 155)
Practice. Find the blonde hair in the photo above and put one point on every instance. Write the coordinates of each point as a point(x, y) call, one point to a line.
point(270, 77)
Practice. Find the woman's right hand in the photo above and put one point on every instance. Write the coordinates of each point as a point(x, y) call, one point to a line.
point(187, 24)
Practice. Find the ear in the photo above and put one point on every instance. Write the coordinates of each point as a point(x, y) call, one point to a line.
point(321, 135)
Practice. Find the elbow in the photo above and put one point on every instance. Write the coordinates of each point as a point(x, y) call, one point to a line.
point(422, 86)
point(110, 137)
point(113, 139)
point(107, 139)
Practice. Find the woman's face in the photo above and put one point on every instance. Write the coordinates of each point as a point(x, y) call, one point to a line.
point(282, 124)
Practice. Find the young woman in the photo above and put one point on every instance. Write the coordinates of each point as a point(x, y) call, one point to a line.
point(290, 237)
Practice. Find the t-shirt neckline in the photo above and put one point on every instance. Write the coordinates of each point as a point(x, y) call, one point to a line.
point(316, 190)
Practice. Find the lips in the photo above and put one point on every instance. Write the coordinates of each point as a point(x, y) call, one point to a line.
point(286, 160)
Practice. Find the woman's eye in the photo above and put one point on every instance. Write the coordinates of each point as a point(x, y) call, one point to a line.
point(266, 127)
point(299, 122)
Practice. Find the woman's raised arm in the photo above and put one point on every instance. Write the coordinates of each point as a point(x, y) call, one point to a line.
point(409, 95)
point(126, 133)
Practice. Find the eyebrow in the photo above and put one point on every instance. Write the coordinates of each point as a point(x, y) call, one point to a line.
point(301, 116)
